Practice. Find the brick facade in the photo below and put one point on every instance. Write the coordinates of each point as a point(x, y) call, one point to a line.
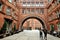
point(23, 10)
point(53, 14)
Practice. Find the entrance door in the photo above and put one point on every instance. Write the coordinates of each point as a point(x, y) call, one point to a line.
point(58, 25)
point(3, 30)
point(52, 27)
point(7, 27)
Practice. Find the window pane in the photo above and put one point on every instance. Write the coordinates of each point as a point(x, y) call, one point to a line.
point(32, 10)
point(28, 11)
point(41, 10)
point(8, 11)
point(0, 6)
point(24, 2)
point(28, 2)
point(23, 11)
point(37, 10)
point(13, 12)
point(37, 2)
point(33, 3)
point(10, 1)
point(41, 4)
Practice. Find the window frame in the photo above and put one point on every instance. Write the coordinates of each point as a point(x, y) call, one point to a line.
point(8, 11)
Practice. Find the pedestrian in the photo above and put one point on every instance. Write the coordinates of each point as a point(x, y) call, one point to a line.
point(41, 34)
point(45, 33)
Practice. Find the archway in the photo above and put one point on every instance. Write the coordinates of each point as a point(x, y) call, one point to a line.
point(40, 20)
point(32, 24)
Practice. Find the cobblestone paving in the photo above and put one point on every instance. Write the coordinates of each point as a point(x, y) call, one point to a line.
point(28, 35)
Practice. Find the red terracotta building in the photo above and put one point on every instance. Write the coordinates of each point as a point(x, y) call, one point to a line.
point(54, 15)
point(16, 15)
point(8, 16)
point(35, 9)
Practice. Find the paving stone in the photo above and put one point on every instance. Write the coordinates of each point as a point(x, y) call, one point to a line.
point(29, 35)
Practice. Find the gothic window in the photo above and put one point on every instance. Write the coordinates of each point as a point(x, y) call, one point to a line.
point(37, 11)
point(32, 3)
point(28, 2)
point(24, 2)
point(37, 2)
point(23, 11)
point(42, 11)
point(28, 11)
point(41, 4)
point(32, 10)
point(8, 11)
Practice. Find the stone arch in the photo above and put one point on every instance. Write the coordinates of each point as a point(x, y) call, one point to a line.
point(34, 17)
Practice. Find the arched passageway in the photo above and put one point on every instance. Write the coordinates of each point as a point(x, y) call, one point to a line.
point(40, 20)
point(32, 24)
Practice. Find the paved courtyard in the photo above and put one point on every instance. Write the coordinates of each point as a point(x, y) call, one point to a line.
point(28, 35)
